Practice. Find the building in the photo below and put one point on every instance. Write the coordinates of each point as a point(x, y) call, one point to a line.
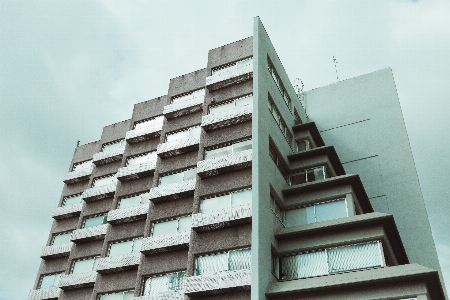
point(231, 186)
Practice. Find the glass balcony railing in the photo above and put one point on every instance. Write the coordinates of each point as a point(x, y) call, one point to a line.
point(230, 74)
point(145, 130)
point(185, 104)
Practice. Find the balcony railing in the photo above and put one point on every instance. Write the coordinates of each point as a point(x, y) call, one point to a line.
point(65, 212)
point(221, 218)
point(172, 191)
point(78, 175)
point(215, 283)
point(99, 192)
point(58, 250)
point(227, 118)
point(165, 243)
point(142, 134)
point(128, 214)
point(178, 147)
point(233, 76)
point(118, 263)
point(80, 280)
point(44, 294)
point(134, 172)
point(89, 234)
point(182, 108)
point(176, 295)
point(105, 157)
point(225, 163)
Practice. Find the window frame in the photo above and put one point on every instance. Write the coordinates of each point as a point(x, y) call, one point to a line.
point(114, 175)
point(41, 279)
point(116, 293)
point(81, 163)
point(131, 196)
point(285, 131)
point(276, 77)
point(306, 171)
point(218, 253)
point(52, 241)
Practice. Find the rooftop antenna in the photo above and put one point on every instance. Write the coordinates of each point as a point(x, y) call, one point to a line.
point(335, 67)
point(299, 90)
point(78, 143)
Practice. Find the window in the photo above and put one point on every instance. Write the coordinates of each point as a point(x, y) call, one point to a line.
point(183, 134)
point(136, 160)
point(164, 283)
point(279, 84)
point(302, 145)
point(276, 210)
point(281, 165)
point(82, 165)
point(149, 122)
point(232, 66)
point(188, 96)
point(113, 145)
point(297, 119)
point(132, 200)
point(178, 177)
point(172, 226)
point(84, 265)
point(329, 261)
point(95, 221)
point(72, 199)
point(128, 295)
point(228, 149)
point(104, 180)
point(317, 212)
point(49, 281)
point(125, 247)
point(280, 122)
point(221, 262)
point(230, 104)
point(227, 200)
point(61, 238)
point(309, 175)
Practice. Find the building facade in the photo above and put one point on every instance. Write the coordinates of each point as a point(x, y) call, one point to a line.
point(231, 186)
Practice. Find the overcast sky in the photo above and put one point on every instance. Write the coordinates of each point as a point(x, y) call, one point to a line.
point(68, 68)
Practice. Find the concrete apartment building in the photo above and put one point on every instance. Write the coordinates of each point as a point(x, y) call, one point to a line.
point(233, 187)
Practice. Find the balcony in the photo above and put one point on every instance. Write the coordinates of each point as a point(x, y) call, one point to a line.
point(238, 280)
point(78, 175)
point(128, 214)
point(65, 212)
point(99, 192)
point(142, 134)
point(227, 118)
point(172, 191)
point(178, 147)
point(135, 172)
point(105, 157)
point(222, 218)
point(224, 164)
point(118, 263)
point(178, 295)
point(80, 280)
point(89, 234)
point(165, 243)
point(44, 294)
point(58, 250)
point(182, 108)
point(233, 76)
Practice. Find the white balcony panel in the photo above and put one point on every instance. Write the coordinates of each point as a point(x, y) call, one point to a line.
point(227, 118)
point(50, 293)
point(80, 280)
point(142, 134)
point(179, 295)
point(216, 283)
point(64, 212)
point(221, 218)
point(225, 163)
point(178, 147)
point(78, 175)
point(233, 76)
point(118, 263)
point(105, 157)
point(172, 191)
point(89, 234)
point(58, 250)
point(183, 108)
point(128, 214)
point(134, 172)
point(165, 243)
point(99, 192)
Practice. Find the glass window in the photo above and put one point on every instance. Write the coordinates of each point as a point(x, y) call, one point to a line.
point(164, 283)
point(131, 201)
point(61, 238)
point(232, 66)
point(224, 201)
point(85, 265)
point(82, 165)
point(178, 177)
point(302, 145)
point(241, 197)
point(149, 122)
point(276, 210)
point(221, 262)
point(172, 226)
point(308, 175)
point(183, 134)
point(318, 212)
point(125, 247)
point(242, 146)
point(141, 159)
point(104, 180)
point(227, 105)
point(49, 281)
point(128, 295)
point(95, 221)
point(73, 199)
point(189, 96)
point(113, 145)
point(229, 149)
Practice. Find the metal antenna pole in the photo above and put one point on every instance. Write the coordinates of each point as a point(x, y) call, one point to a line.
point(335, 67)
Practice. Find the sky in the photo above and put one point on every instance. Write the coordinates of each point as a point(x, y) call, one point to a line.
point(68, 68)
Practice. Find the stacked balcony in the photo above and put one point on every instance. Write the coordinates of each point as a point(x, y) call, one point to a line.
point(144, 133)
point(44, 294)
point(238, 280)
point(89, 234)
point(172, 191)
point(58, 250)
point(165, 243)
point(99, 192)
point(135, 172)
point(222, 218)
point(80, 280)
point(178, 295)
point(191, 103)
point(224, 164)
point(78, 175)
point(118, 263)
point(227, 118)
point(128, 214)
point(230, 75)
point(108, 156)
point(177, 147)
point(68, 211)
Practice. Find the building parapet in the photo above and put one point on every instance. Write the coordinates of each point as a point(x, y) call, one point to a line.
point(142, 134)
point(128, 214)
point(165, 243)
point(118, 263)
point(178, 147)
point(221, 218)
point(227, 118)
point(99, 192)
point(135, 172)
point(215, 283)
point(231, 77)
point(64, 212)
point(58, 250)
point(182, 108)
point(105, 157)
point(225, 163)
point(44, 294)
point(78, 175)
point(172, 191)
point(89, 234)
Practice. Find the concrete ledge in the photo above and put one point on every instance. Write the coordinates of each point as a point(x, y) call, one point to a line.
point(99, 192)
point(183, 108)
point(128, 214)
point(89, 234)
point(142, 134)
point(172, 191)
point(105, 157)
point(81, 280)
point(178, 147)
point(78, 176)
point(59, 250)
point(65, 212)
point(44, 294)
point(165, 243)
point(118, 263)
point(135, 172)
point(239, 280)
point(222, 218)
point(234, 76)
point(227, 118)
point(224, 164)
